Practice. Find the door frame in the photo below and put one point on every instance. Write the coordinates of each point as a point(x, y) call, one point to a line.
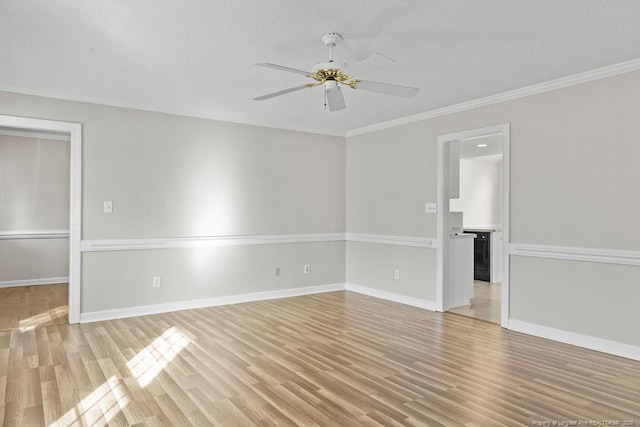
point(74, 130)
point(442, 220)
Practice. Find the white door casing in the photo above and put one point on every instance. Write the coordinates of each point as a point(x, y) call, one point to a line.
point(442, 217)
point(74, 130)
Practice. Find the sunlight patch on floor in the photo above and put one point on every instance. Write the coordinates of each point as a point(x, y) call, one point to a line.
point(99, 407)
point(149, 362)
point(110, 398)
point(46, 316)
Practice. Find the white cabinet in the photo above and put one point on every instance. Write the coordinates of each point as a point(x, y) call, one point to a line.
point(460, 269)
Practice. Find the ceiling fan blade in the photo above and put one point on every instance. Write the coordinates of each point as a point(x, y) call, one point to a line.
point(373, 62)
point(335, 99)
point(283, 68)
point(282, 92)
point(389, 89)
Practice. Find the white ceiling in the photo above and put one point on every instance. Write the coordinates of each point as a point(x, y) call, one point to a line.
point(196, 57)
point(490, 145)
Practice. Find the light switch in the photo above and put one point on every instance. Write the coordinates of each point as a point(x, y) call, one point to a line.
point(430, 208)
point(108, 206)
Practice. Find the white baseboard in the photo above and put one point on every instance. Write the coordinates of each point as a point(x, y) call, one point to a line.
point(586, 341)
point(402, 299)
point(145, 310)
point(33, 282)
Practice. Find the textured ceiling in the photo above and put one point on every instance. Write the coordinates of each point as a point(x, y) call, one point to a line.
point(196, 57)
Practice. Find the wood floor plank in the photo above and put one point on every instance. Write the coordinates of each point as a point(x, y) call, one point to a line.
point(294, 407)
point(263, 415)
point(484, 304)
point(27, 307)
point(337, 358)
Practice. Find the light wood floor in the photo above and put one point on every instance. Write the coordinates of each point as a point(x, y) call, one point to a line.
point(26, 307)
point(333, 359)
point(485, 303)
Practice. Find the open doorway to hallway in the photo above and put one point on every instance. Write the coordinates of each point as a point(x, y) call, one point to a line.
point(473, 224)
point(35, 224)
point(480, 207)
point(484, 304)
point(35, 165)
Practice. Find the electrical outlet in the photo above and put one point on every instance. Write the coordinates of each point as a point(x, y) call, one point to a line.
point(156, 282)
point(430, 208)
point(307, 269)
point(108, 206)
point(397, 274)
point(276, 271)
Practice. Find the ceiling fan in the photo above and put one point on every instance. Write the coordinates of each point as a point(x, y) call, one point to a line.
point(331, 75)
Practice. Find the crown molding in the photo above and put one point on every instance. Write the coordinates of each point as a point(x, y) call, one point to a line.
point(572, 80)
point(157, 109)
point(563, 82)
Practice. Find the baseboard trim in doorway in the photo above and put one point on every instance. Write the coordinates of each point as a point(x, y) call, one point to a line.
point(33, 282)
point(144, 310)
point(390, 296)
point(567, 337)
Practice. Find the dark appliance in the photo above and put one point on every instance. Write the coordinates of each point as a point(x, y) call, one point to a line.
point(482, 256)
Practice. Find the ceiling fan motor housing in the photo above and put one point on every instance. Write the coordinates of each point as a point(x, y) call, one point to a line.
point(327, 66)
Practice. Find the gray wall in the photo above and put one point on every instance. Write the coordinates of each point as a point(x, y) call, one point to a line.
point(174, 176)
point(373, 265)
point(34, 195)
point(574, 174)
point(599, 300)
point(122, 279)
point(25, 261)
point(574, 157)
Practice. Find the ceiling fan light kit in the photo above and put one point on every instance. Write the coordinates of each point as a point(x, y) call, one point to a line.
point(330, 75)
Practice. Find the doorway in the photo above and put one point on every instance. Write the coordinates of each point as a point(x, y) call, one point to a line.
point(49, 130)
point(469, 280)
